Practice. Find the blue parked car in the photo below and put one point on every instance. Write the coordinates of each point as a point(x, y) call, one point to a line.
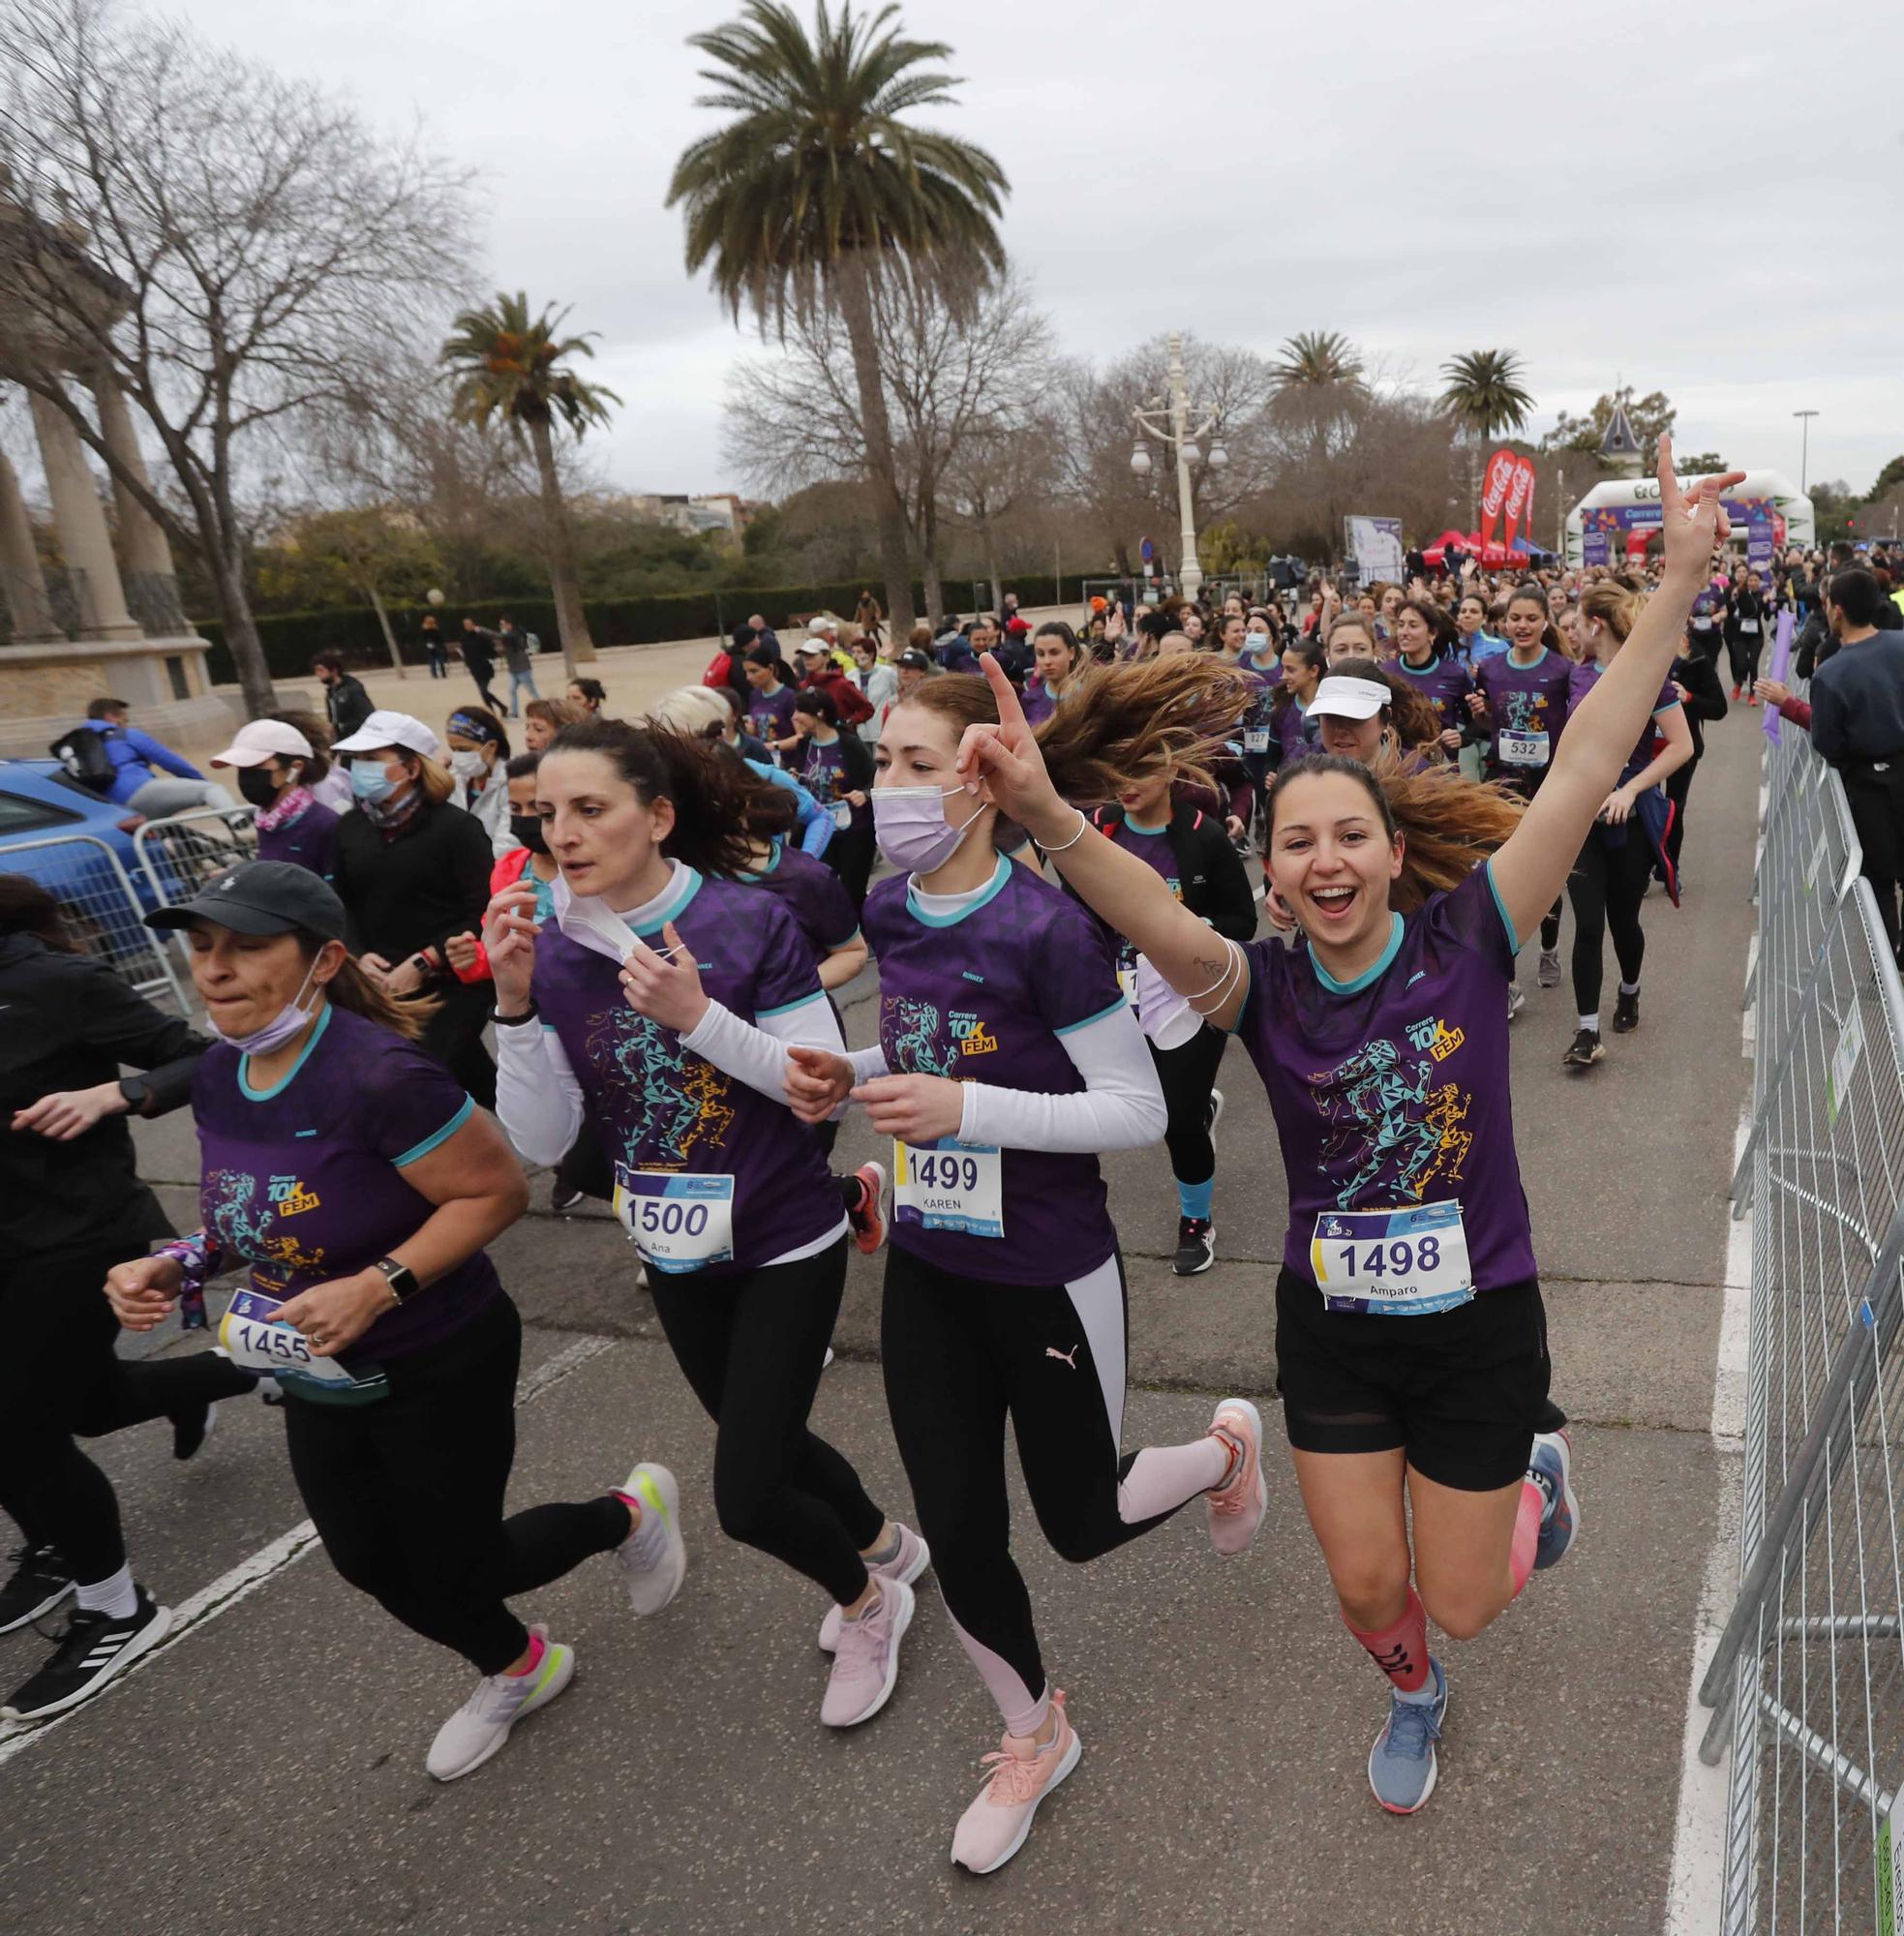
point(40, 801)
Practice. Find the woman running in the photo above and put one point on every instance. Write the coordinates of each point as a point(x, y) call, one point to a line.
point(879, 681)
point(664, 996)
point(1365, 711)
point(588, 696)
point(1410, 1342)
point(72, 1205)
point(1008, 1058)
point(1304, 661)
point(1521, 698)
point(1747, 612)
point(359, 1184)
point(278, 768)
point(543, 719)
point(1477, 644)
point(771, 705)
point(1626, 838)
point(836, 769)
point(479, 753)
point(1429, 664)
point(1192, 852)
point(1056, 661)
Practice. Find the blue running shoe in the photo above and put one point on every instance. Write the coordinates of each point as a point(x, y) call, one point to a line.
point(1401, 1761)
point(1552, 1470)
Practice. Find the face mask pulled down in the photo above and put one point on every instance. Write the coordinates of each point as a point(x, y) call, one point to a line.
point(291, 1017)
point(912, 829)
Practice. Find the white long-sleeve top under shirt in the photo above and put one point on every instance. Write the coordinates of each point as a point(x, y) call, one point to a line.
point(1120, 1105)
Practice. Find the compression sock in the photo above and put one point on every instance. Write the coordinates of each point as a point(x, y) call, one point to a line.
point(1526, 1543)
point(1629, 988)
point(1591, 1023)
point(536, 1649)
point(115, 1596)
point(1400, 1649)
point(1194, 1200)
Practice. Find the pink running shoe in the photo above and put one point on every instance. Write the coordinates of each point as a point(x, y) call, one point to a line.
point(866, 1666)
point(912, 1560)
point(868, 1221)
point(993, 1829)
point(1237, 1506)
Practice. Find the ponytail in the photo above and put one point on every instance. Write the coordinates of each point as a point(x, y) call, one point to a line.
point(351, 989)
point(1614, 605)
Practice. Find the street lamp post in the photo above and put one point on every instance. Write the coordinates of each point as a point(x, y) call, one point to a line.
point(1804, 446)
point(1177, 431)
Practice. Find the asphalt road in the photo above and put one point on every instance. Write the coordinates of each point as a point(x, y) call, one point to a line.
point(265, 1771)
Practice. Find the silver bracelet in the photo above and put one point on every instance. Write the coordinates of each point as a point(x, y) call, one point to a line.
point(1083, 828)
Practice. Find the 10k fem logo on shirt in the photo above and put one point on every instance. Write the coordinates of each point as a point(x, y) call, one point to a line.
point(289, 1196)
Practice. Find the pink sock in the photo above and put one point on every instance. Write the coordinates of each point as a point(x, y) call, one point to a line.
point(536, 1650)
point(1162, 1478)
point(1400, 1649)
point(1527, 1534)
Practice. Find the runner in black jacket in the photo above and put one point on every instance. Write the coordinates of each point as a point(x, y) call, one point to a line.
point(1703, 698)
point(1192, 850)
point(70, 1207)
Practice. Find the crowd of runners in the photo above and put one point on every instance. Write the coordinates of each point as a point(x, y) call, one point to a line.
point(611, 946)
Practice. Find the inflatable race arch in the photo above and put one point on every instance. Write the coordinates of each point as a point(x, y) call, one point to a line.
point(1618, 517)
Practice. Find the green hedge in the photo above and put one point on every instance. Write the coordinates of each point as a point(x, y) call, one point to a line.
point(291, 638)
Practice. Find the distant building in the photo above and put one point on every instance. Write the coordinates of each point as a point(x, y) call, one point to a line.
point(1620, 448)
point(715, 511)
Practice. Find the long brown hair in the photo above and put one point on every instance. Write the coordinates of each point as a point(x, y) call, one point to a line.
point(27, 908)
point(1614, 605)
point(1137, 721)
point(1448, 825)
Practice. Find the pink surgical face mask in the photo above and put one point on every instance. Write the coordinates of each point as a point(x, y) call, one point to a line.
point(281, 1029)
point(910, 825)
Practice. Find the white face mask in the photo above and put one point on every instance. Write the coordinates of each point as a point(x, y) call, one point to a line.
point(467, 766)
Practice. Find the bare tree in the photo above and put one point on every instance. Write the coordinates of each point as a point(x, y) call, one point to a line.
point(224, 244)
point(952, 380)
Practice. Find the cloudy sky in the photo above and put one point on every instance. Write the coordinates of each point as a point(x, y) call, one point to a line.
point(1695, 198)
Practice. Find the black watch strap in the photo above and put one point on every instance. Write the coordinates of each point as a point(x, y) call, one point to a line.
point(401, 1279)
point(528, 1014)
point(136, 1090)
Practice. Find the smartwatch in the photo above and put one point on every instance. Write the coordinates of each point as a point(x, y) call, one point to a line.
point(137, 1091)
point(401, 1279)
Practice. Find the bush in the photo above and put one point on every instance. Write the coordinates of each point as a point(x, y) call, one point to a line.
point(291, 639)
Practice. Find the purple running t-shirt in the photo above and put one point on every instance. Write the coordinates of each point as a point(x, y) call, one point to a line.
point(1445, 684)
point(1390, 1093)
point(987, 996)
point(1294, 731)
point(771, 716)
point(822, 771)
point(1582, 679)
point(662, 1111)
point(308, 841)
point(1040, 701)
point(1526, 711)
point(812, 893)
point(1152, 846)
point(303, 1181)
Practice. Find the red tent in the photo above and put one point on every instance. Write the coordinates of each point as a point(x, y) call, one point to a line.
point(1490, 557)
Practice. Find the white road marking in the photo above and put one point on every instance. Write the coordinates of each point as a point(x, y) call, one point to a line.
point(267, 1563)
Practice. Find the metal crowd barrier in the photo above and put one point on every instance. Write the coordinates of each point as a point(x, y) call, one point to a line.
point(1807, 1680)
point(183, 851)
point(104, 910)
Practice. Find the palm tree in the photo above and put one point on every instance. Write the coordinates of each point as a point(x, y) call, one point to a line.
point(1317, 360)
point(1484, 395)
point(817, 189)
point(510, 368)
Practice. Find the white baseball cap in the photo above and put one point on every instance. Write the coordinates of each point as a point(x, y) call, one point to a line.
point(395, 729)
point(263, 739)
point(1346, 698)
point(823, 626)
point(813, 645)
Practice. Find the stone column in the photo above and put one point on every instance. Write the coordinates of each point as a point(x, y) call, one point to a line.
point(150, 575)
point(21, 579)
point(84, 541)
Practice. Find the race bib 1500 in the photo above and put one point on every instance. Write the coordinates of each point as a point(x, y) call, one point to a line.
point(678, 1222)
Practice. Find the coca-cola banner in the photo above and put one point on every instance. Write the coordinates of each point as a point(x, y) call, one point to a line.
point(1527, 477)
point(1495, 482)
point(1522, 476)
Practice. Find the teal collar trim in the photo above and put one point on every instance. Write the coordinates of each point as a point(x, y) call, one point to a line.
point(990, 891)
point(690, 886)
point(1373, 973)
point(773, 860)
point(1526, 665)
point(289, 1076)
point(1428, 665)
point(1137, 827)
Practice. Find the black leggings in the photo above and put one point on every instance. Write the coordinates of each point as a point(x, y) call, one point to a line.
point(1605, 887)
point(1187, 1073)
point(752, 1346)
point(454, 1036)
point(1742, 649)
point(962, 1355)
point(406, 1494)
point(60, 1375)
point(1679, 785)
point(1877, 812)
point(850, 855)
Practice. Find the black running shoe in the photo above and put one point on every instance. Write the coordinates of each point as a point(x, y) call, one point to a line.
point(40, 1579)
point(1626, 1014)
point(562, 1199)
point(1213, 1113)
point(190, 1430)
point(92, 1649)
point(1196, 1246)
point(1585, 1050)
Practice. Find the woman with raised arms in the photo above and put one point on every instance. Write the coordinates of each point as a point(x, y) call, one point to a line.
point(1411, 1342)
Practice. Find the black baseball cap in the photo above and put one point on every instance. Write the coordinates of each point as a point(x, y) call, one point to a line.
point(915, 660)
point(261, 897)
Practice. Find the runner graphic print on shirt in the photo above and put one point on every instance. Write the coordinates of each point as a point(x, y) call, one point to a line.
point(1391, 1119)
point(674, 1106)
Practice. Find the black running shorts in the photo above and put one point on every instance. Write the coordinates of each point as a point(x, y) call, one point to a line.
point(1461, 1392)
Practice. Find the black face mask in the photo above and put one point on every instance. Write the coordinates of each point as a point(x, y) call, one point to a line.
point(528, 828)
point(257, 785)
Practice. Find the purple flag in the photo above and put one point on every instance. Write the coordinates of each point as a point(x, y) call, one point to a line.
point(1781, 660)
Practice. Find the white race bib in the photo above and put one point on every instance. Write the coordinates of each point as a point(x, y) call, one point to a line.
point(1391, 1263)
point(1748, 624)
point(1523, 749)
point(678, 1222)
point(842, 811)
point(1255, 738)
point(251, 1334)
point(949, 1186)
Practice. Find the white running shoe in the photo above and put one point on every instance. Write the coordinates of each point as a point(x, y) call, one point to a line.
point(653, 1557)
point(1237, 1507)
point(1516, 1000)
point(993, 1828)
point(865, 1666)
point(479, 1727)
point(912, 1560)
